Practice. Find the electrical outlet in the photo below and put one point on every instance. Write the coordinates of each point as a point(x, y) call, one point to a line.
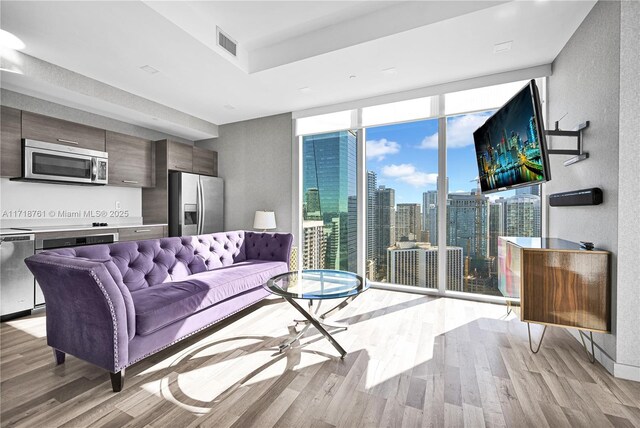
point(117, 205)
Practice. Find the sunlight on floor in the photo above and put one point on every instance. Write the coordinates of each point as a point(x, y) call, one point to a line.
point(32, 325)
point(254, 359)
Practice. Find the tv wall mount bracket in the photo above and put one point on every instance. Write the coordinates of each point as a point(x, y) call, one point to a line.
point(579, 154)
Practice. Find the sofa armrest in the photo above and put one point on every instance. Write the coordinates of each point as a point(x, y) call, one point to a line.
point(268, 246)
point(86, 310)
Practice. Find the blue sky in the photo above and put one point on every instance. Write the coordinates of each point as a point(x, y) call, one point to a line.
point(405, 155)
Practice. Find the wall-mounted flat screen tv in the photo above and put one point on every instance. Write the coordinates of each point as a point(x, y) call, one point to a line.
point(511, 148)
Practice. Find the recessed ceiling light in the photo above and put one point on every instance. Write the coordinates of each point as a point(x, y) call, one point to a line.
point(229, 107)
point(10, 41)
point(502, 47)
point(389, 71)
point(353, 76)
point(305, 89)
point(149, 69)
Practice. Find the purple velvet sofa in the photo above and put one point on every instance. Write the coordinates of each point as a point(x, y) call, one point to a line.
point(113, 305)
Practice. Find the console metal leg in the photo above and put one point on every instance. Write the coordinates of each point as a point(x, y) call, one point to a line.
point(592, 356)
point(315, 322)
point(509, 308)
point(541, 338)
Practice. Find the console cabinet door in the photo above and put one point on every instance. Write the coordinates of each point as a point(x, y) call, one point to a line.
point(52, 130)
point(205, 161)
point(179, 157)
point(10, 143)
point(131, 161)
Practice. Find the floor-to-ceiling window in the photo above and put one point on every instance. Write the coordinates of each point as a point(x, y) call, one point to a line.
point(402, 174)
point(405, 184)
point(329, 206)
point(474, 221)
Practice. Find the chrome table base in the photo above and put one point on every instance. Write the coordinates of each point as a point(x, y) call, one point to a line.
point(319, 322)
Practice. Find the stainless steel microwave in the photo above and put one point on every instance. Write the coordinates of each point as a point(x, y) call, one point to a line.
point(59, 163)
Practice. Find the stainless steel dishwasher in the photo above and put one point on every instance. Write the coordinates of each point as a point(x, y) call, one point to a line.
point(16, 281)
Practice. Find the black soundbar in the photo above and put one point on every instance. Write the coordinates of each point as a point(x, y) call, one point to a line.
point(591, 196)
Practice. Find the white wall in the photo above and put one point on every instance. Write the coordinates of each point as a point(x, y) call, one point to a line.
point(40, 204)
point(254, 159)
point(628, 296)
point(586, 85)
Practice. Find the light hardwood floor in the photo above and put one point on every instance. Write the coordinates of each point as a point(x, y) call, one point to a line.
point(413, 361)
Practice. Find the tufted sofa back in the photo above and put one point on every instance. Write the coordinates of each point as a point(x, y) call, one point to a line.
point(141, 264)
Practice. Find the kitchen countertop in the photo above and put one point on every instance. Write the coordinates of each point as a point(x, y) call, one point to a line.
point(70, 228)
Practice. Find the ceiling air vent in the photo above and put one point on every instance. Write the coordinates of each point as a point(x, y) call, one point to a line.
point(226, 42)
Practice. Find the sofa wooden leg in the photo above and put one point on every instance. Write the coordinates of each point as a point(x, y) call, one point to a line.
point(117, 380)
point(58, 357)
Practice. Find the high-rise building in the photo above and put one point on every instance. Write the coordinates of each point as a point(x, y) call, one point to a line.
point(416, 264)
point(468, 223)
point(530, 190)
point(496, 224)
point(312, 205)
point(408, 221)
point(329, 168)
point(430, 216)
point(386, 223)
point(522, 215)
point(314, 244)
point(351, 234)
point(372, 184)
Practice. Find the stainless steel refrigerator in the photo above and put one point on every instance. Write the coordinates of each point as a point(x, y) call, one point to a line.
point(195, 204)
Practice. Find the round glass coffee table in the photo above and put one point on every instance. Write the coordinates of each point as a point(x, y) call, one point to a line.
point(317, 285)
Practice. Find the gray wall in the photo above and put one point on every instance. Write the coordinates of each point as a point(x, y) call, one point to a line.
point(254, 158)
point(586, 85)
point(628, 302)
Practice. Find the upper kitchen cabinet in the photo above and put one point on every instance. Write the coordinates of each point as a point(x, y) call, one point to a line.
point(131, 160)
point(205, 161)
point(179, 157)
point(10, 143)
point(52, 130)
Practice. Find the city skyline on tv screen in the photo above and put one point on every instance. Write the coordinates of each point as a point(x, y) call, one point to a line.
point(508, 147)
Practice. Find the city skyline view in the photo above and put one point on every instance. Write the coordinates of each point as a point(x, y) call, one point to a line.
point(402, 206)
point(405, 156)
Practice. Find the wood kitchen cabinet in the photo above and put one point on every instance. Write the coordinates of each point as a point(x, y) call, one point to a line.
point(10, 142)
point(205, 161)
point(141, 232)
point(131, 160)
point(173, 156)
point(179, 156)
point(52, 130)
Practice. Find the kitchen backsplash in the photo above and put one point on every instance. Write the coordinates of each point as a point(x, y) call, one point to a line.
point(43, 204)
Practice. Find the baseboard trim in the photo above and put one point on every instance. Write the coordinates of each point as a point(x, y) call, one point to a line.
point(625, 371)
point(621, 371)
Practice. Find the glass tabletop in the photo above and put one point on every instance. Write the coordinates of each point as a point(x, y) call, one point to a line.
point(317, 284)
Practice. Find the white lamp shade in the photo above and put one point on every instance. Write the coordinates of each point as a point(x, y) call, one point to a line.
point(264, 220)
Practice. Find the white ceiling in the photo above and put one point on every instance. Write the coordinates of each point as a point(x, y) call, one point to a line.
point(285, 46)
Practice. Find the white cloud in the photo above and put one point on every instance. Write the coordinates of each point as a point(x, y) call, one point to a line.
point(407, 173)
point(429, 142)
point(459, 131)
point(401, 170)
point(380, 148)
